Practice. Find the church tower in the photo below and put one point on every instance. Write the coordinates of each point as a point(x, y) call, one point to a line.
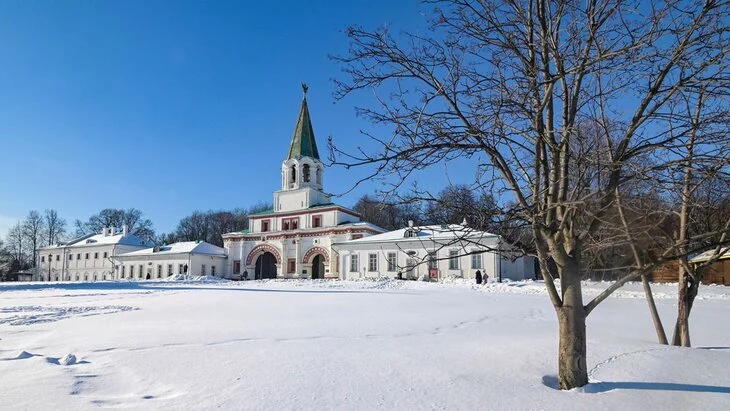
point(302, 172)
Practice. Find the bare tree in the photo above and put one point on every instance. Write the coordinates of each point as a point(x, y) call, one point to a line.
point(33, 230)
point(17, 244)
point(55, 226)
point(117, 218)
point(510, 82)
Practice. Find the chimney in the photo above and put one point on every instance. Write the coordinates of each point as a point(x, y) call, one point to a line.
point(410, 223)
point(104, 231)
point(124, 230)
point(111, 231)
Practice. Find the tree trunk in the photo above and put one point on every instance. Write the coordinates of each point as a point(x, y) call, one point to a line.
point(572, 370)
point(660, 333)
point(687, 292)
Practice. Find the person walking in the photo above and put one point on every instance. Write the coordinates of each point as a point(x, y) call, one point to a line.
point(479, 277)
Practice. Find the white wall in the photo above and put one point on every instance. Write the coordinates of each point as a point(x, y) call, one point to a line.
point(83, 268)
point(150, 263)
point(417, 252)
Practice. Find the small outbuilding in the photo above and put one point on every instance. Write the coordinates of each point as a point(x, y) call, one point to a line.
point(196, 258)
point(717, 272)
point(436, 252)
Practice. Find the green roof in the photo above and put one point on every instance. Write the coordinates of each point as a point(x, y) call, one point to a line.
point(303, 143)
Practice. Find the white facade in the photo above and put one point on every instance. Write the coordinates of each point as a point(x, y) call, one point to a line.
point(453, 251)
point(87, 258)
point(194, 258)
point(294, 239)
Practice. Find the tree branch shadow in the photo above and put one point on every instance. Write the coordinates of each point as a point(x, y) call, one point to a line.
point(551, 381)
point(598, 387)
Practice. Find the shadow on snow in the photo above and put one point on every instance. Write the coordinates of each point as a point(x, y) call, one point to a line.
point(551, 381)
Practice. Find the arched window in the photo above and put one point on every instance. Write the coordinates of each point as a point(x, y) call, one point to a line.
point(319, 176)
point(305, 173)
point(294, 173)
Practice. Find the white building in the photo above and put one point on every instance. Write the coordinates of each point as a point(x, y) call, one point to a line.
point(188, 258)
point(294, 239)
point(453, 251)
point(87, 258)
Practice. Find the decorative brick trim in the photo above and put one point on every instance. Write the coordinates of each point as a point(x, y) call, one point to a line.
point(263, 248)
point(314, 251)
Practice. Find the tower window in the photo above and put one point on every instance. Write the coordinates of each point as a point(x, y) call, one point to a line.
point(265, 226)
point(305, 173)
point(316, 221)
point(294, 174)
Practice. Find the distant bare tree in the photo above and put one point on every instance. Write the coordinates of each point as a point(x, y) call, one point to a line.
point(510, 83)
point(55, 226)
point(210, 225)
point(33, 230)
point(16, 244)
point(117, 218)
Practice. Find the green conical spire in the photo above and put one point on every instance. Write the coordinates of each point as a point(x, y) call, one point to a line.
point(303, 143)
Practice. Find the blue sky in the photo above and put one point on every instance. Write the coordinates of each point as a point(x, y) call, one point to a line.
point(171, 106)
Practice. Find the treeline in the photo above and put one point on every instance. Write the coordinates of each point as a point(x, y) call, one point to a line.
point(452, 205)
point(18, 251)
point(210, 225)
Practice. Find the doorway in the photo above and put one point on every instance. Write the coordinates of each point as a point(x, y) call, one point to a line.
point(318, 266)
point(265, 266)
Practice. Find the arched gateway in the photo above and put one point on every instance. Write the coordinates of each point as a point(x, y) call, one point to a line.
point(265, 266)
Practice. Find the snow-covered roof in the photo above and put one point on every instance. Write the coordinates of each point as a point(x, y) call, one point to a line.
point(184, 247)
point(100, 239)
point(424, 233)
point(724, 253)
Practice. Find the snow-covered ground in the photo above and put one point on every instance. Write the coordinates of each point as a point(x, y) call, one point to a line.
point(199, 343)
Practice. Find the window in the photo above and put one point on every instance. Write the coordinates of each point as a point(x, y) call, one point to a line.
point(131, 271)
point(294, 174)
point(141, 270)
point(372, 262)
point(212, 270)
point(96, 255)
point(169, 270)
point(353, 263)
point(70, 257)
point(409, 233)
point(105, 254)
point(78, 256)
point(237, 267)
point(86, 257)
point(58, 257)
point(180, 269)
point(316, 221)
point(391, 262)
point(43, 259)
point(291, 266)
point(476, 261)
point(123, 271)
point(453, 260)
point(305, 173)
point(202, 269)
point(159, 270)
point(290, 223)
point(265, 226)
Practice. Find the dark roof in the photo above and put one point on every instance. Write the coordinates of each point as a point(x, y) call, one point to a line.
point(303, 143)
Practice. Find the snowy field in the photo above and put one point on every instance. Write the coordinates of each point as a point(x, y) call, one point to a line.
point(394, 345)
